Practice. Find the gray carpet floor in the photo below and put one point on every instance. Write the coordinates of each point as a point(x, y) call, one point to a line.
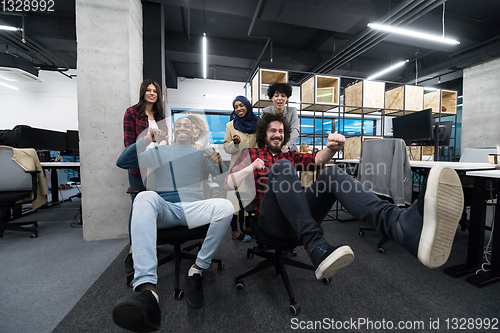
point(41, 279)
point(391, 287)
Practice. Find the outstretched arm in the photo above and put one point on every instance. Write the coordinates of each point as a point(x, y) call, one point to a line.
point(335, 143)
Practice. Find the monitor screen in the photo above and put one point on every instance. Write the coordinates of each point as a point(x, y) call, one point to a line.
point(72, 139)
point(414, 128)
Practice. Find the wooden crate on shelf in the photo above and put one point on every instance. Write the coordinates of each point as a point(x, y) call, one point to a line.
point(320, 93)
point(352, 146)
point(403, 100)
point(364, 97)
point(441, 100)
point(261, 80)
point(414, 153)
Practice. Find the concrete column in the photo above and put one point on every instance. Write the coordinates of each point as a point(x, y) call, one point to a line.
point(109, 42)
point(481, 100)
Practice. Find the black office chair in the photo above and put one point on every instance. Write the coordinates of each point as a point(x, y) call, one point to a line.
point(16, 185)
point(176, 237)
point(275, 252)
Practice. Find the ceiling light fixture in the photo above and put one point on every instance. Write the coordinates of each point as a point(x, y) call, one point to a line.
point(9, 28)
point(8, 86)
point(204, 55)
point(387, 70)
point(412, 33)
point(430, 89)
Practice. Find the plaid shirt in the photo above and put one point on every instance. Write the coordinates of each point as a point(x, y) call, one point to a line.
point(247, 156)
point(133, 126)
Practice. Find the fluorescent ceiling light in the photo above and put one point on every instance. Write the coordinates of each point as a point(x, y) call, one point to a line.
point(412, 33)
point(393, 67)
point(430, 89)
point(204, 55)
point(9, 28)
point(8, 86)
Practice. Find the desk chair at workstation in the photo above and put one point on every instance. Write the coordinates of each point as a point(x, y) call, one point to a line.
point(16, 185)
point(385, 165)
point(176, 237)
point(275, 252)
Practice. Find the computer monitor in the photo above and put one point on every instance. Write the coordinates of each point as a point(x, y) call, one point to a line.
point(72, 140)
point(414, 128)
point(418, 129)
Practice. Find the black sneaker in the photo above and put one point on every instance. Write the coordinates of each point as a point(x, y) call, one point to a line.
point(428, 228)
point(194, 291)
point(129, 264)
point(138, 313)
point(328, 259)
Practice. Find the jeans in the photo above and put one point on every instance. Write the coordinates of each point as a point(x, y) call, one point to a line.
point(287, 211)
point(133, 180)
point(152, 212)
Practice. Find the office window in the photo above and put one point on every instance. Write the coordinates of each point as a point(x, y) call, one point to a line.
point(314, 131)
point(352, 127)
point(216, 124)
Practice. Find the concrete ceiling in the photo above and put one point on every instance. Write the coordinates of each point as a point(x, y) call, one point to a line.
point(322, 36)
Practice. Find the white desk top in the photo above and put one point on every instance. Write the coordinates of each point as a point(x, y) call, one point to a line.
point(60, 164)
point(487, 173)
point(453, 165)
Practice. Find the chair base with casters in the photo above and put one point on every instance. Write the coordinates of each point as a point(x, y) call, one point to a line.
point(175, 237)
point(17, 226)
point(273, 250)
point(380, 244)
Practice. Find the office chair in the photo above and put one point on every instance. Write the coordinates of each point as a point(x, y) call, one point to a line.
point(16, 185)
point(274, 251)
point(391, 155)
point(176, 237)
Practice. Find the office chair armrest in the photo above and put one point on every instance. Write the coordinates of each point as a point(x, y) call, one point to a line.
point(34, 182)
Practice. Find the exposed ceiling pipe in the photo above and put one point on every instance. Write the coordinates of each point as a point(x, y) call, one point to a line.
point(368, 33)
point(379, 37)
point(405, 14)
point(186, 20)
point(34, 51)
point(257, 10)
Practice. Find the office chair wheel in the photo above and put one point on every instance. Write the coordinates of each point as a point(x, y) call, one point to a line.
point(178, 295)
point(220, 266)
point(326, 280)
point(295, 308)
point(381, 250)
point(239, 285)
point(361, 233)
point(34, 235)
point(249, 254)
point(293, 253)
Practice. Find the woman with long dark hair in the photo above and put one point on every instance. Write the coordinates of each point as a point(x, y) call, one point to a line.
point(146, 114)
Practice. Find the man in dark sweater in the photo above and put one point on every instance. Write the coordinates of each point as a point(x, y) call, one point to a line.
point(284, 210)
point(177, 200)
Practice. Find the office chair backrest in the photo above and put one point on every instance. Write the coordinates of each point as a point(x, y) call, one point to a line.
point(12, 176)
point(477, 155)
point(385, 168)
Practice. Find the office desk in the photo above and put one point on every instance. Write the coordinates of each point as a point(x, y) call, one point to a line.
point(465, 166)
point(54, 182)
point(478, 215)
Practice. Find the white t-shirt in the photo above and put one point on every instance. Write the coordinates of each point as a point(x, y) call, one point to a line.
point(152, 125)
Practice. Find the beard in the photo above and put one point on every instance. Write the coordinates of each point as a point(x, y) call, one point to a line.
point(273, 148)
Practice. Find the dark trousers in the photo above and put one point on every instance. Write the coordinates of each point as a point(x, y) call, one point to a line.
point(287, 211)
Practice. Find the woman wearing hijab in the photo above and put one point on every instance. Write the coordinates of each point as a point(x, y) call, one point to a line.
point(240, 134)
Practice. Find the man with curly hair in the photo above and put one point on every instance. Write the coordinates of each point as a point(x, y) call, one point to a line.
point(284, 210)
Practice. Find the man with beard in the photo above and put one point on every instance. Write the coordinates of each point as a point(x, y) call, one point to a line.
point(178, 200)
point(284, 210)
